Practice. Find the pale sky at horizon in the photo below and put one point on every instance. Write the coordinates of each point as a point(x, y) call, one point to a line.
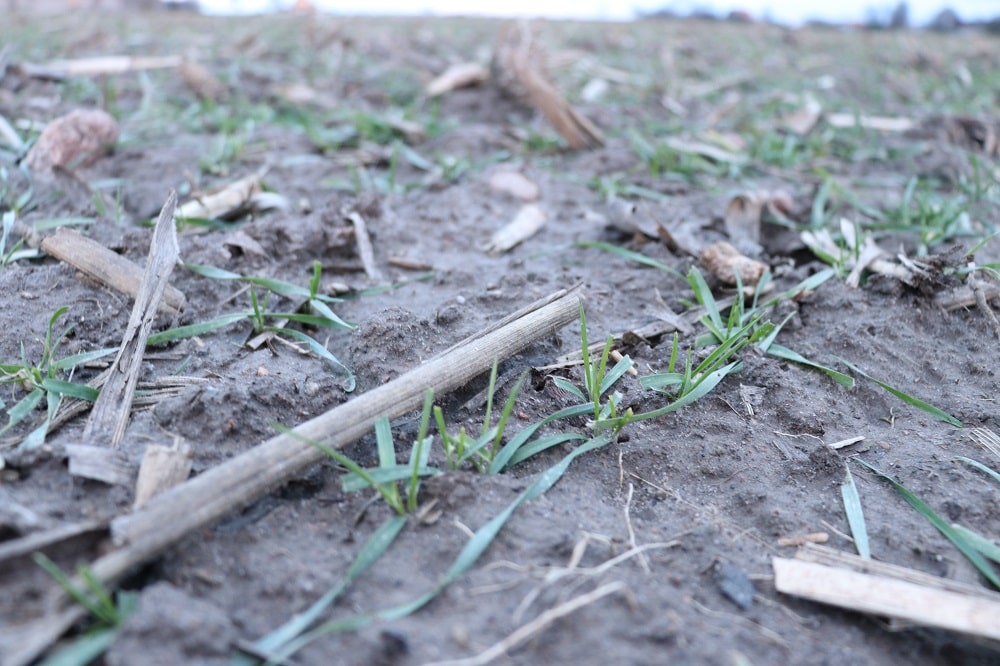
point(786, 11)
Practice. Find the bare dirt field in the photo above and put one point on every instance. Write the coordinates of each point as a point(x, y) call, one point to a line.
point(859, 168)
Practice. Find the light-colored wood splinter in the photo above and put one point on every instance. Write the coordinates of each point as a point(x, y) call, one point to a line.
point(202, 500)
point(912, 600)
point(109, 416)
point(107, 267)
point(365, 250)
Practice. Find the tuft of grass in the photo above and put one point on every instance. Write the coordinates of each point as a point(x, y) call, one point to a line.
point(42, 380)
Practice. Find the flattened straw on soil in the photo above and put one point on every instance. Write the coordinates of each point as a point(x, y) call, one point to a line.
point(107, 267)
point(111, 410)
point(198, 502)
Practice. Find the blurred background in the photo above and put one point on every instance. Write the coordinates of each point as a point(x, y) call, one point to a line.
point(937, 14)
point(914, 13)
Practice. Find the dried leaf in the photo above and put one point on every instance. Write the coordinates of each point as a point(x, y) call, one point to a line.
point(724, 261)
point(518, 67)
point(201, 81)
point(73, 140)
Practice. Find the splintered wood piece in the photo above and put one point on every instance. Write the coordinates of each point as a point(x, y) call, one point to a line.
point(515, 184)
point(461, 75)
point(528, 222)
point(99, 463)
point(162, 468)
point(913, 602)
point(60, 69)
point(226, 201)
point(365, 250)
point(518, 67)
point(107, 267)
point(110, 413)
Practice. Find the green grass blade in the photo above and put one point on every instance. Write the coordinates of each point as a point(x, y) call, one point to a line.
point(22, 409)
point(699, 390)
point(93, 606)
point(908, 399)
point(502, 459)
point(60, 387)
point(490, 390)
point(980, 466)
point(630, 255)
point(541, 444)
point(781, 351)
point(508, 409)
point(420, 452)
point(388, 492)
point(383, 443)
point(957, 538)
point(376, 545)
point(703, 294)
point(82, 650)
point(191, 330)
point(616, 373)
point(570, 388)
point(855, 516)
point(348, 383)
point(70, 362)
point(987, 548)
point(324, 310)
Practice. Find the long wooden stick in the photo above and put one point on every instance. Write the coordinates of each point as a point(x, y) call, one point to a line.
point(196, 503)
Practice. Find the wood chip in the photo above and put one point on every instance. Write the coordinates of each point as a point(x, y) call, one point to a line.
point(515, 184)
point(162, 468)
point(846, 442)
point(802, 539)
point(109, 416)
point(528, 222)
point(99, 463)
point(461, 75)
point(224, 202)
point(107, 267)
